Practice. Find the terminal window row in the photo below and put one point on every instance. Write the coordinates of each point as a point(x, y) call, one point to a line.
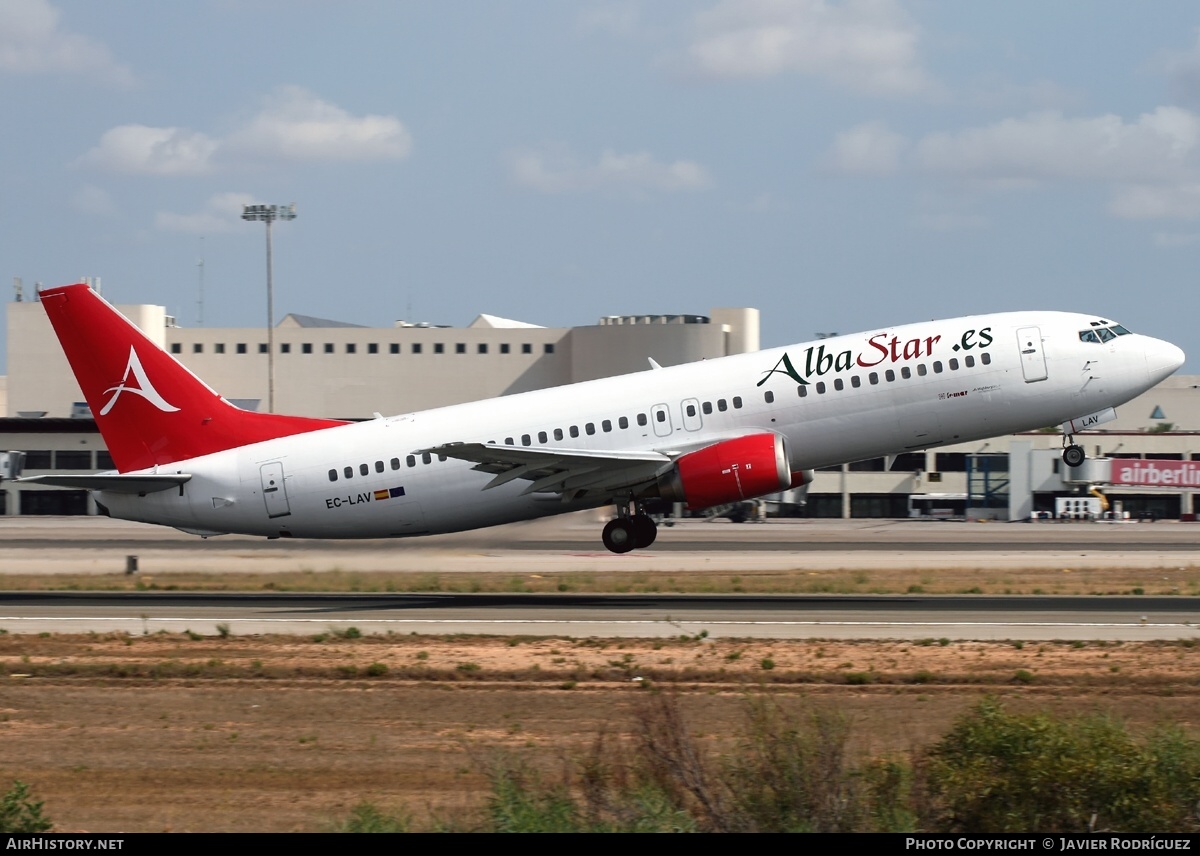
point(67, 459)
point(370, 348)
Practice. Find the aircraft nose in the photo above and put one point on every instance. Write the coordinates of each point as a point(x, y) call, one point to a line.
point(1162, 359)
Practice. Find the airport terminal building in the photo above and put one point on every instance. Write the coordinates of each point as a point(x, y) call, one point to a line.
point(326, 368)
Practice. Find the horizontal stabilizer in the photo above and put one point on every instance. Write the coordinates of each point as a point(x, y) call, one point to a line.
point(114, 482)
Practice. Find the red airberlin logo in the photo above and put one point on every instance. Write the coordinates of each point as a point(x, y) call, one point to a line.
point(142, 386)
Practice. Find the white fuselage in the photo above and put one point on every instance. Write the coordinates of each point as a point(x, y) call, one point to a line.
point(835, 400)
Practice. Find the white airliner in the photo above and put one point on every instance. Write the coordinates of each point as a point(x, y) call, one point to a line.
point(705, 433)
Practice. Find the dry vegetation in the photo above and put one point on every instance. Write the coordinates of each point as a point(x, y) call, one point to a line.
point(182, 732)
point(1075, 577)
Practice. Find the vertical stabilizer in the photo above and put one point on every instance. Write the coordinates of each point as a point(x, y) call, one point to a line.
point(148, 407)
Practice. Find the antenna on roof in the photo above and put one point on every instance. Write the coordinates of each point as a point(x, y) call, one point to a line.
point(19, 290)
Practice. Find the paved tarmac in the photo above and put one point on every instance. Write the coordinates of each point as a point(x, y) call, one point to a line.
point(572, 542)
point(100, 545)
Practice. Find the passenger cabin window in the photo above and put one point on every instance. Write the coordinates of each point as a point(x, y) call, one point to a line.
point(379, 466)
point(411, 460)
point(985, 358)
point(526, 440)
point(574, 430)
point(970, 361)
point(838, 384)
point(590, 428)
point(768, 397)
point(426, 458)
point(558, 433)
point(873, 377)
point(606, 426)
point(706, 407)
point(333, 475)
point(802, 390)
point(889, 376)
point(543, 437)
point(737, 401)
point(721, 405)
point(855, 381)
point(905, 372)
point(953, 363)
point(348, 472)
point(623, 423)
point(364, 469)
point(641, 419)
point(395, 463)
point(820, 387)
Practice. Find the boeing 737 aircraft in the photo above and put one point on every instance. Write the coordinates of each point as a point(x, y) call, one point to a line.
point(705, 433)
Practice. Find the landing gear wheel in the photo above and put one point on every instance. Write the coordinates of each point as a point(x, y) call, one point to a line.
point(618, 535)
point(1074, 455)
point(645, 530)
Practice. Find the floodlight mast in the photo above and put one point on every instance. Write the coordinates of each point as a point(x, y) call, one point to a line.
point(269, 214)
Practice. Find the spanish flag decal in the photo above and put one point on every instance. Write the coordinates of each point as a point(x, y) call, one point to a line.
point(391, 493)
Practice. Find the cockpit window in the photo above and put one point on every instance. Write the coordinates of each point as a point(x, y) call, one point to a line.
point(1098, 334)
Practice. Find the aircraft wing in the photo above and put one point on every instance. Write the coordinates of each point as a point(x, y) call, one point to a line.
point(571, 472)
point(115, 482)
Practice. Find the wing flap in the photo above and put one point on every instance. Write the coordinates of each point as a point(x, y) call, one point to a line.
point(557, 470)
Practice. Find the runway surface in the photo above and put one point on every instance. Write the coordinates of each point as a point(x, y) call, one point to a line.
point(572, 542)
point(97, 545)
point(743, 616)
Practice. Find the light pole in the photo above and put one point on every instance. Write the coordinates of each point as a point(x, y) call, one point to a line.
point(269, 214)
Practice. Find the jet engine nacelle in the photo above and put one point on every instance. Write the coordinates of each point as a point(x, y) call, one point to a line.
point(729, 471)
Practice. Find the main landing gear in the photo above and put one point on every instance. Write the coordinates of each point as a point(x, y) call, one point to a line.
point(1073, 454)
point(628, 531)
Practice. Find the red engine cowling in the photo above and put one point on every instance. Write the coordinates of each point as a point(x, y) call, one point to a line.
point(729, 471)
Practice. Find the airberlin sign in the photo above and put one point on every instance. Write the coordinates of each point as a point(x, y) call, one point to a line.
point(1176, 474)
point(880, 349)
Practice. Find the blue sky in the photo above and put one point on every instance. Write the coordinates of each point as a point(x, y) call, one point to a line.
point(841, 166)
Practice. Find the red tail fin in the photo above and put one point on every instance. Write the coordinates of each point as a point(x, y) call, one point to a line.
point(149, 408)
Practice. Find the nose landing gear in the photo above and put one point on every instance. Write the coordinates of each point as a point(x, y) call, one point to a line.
point(1073, 454)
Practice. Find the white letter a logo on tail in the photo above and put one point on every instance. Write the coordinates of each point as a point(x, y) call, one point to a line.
point(143, 388)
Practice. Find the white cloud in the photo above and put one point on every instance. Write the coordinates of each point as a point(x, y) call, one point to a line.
point(32, 42)
point(221, 213)
point(144, 150)
point(297, 125)
point(1176, 239)
point(555, 170)
point(1150, 166)
point(1156, 202)
point(294, 125)
point(870, 148)
point(1159, 146)
point(865, 45)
